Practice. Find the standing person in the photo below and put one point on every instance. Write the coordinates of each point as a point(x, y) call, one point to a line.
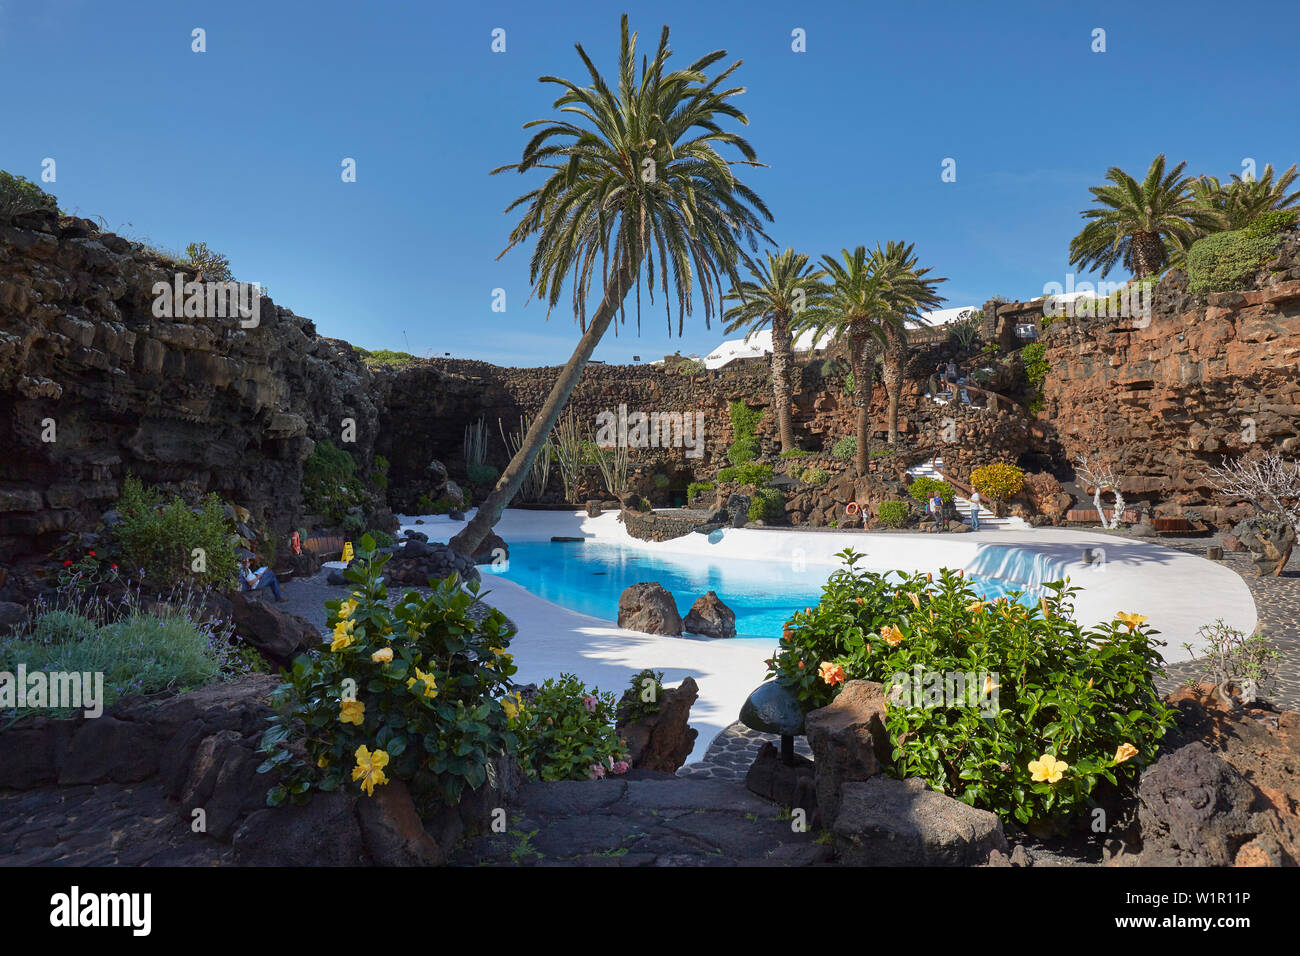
point(936, 509)
point(975, 511)
point(952, 372)
point(263, 577)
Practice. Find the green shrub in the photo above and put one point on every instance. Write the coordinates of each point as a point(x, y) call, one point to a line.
point(19, 194)
point(426, 505)
point(142, 653)
point(924, 487)
point(643, 697)
point(845, 448)
point(767, 504)
point(744, 424)
point(1272, 222)
point(1036, 365)
point(751, 474)
point(795, 453)
point(697, 488)
point(353, 523)
point(567, 733)
point(213, 266)
point(384, 356)
point(661, 481)
point(425, 675)
point(1223, 261)
point(1052, 687)
point(382, 539)
point(998, 480)
point(482, 474)
point(171, 542)
point(379, 474)
point(742, 450)
point(815, 475)
point(892, 514)
point(848, 384)
point(330, 486)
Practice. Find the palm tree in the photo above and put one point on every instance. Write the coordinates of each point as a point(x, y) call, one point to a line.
point(861, 301)
point(1138, 224)
point(635, 174)
point(1241, 200)
point(783, 288)
point(914, 293)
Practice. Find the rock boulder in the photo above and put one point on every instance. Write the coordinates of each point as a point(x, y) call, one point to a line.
point(649, 608)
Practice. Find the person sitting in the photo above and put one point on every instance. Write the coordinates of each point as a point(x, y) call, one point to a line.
point(263, 577)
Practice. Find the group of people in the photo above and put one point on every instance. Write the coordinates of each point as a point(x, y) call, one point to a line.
point(946, 376)
point(934, 507)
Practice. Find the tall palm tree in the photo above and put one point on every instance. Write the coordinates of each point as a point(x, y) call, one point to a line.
point(1241, 200)
point(1138, 224)
point(635, 175)
point(783, 287)
point(914, 294)
point(861, 301)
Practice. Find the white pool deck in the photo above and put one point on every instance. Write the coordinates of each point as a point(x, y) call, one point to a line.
point(1177, 591)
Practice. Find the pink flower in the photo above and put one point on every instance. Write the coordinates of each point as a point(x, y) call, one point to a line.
point(596, 771)
point(621, 766)
point(590, 703)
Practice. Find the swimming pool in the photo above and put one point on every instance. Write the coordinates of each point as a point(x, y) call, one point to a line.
point(588, 577)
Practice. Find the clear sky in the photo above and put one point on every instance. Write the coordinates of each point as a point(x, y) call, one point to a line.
point(242, 146)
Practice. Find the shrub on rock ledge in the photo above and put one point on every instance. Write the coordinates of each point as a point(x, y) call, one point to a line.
point(998, 480)
point(1007, 707)
point(408, 693)
point(567, 732)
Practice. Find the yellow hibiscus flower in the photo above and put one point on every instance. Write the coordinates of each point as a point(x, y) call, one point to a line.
point(430, 686)
point(975, 607)
point(352, 712)
point(323, 761)
point(342, 635)
point(1132, 620)
point(382, 656)
point(512, 704)
point(370, 769)
point(892, 635)
point(1048, 769)
point(1125, 752)
point(346, 609)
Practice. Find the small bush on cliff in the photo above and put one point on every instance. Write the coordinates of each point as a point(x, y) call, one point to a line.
point(924, 487)
point(212, 265)
point(384, 356)
point(750, 474)
point(815, 476)
point(1224, 261)
point(1036, 365)
point(643, 697)
point(19, 194)
point(1012, 708)
point(172, 543)
point(795, 453)
point(330, 485)
point(892, 514)
point(998, 480)
point(768, 504)
point(845, 448)
point(407, 692)
point(567, 732)
point(697, 488)
point(744, 423)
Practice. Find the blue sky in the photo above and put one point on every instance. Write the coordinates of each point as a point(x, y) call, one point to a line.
point(241, 146)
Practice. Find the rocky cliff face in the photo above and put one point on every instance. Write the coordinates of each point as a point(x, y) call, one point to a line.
point(1208, 377)
point(94, 386)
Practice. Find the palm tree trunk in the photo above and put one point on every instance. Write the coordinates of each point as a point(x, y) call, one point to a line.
point(862, 359)
point(895, 358)
point(489, 512)
point(782, 356)
point(1148, 253)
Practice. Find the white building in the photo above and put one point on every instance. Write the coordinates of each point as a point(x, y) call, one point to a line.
point(759, 344)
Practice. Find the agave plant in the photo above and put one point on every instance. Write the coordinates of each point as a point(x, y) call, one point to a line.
point(637, 190)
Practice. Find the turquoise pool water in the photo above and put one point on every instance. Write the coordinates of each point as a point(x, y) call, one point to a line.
point(589, 576)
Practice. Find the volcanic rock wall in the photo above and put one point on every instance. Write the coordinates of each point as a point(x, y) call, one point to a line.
point(1207, 377)
point(94, 386)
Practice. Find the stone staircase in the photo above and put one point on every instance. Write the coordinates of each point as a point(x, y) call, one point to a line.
point(988, 521)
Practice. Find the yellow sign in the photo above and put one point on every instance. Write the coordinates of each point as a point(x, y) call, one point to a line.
point(347, 551)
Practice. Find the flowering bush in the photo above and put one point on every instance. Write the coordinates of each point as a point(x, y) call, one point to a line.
point(1046, 709)
point(567, 732)
point(998, 480)
point(407, 692)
